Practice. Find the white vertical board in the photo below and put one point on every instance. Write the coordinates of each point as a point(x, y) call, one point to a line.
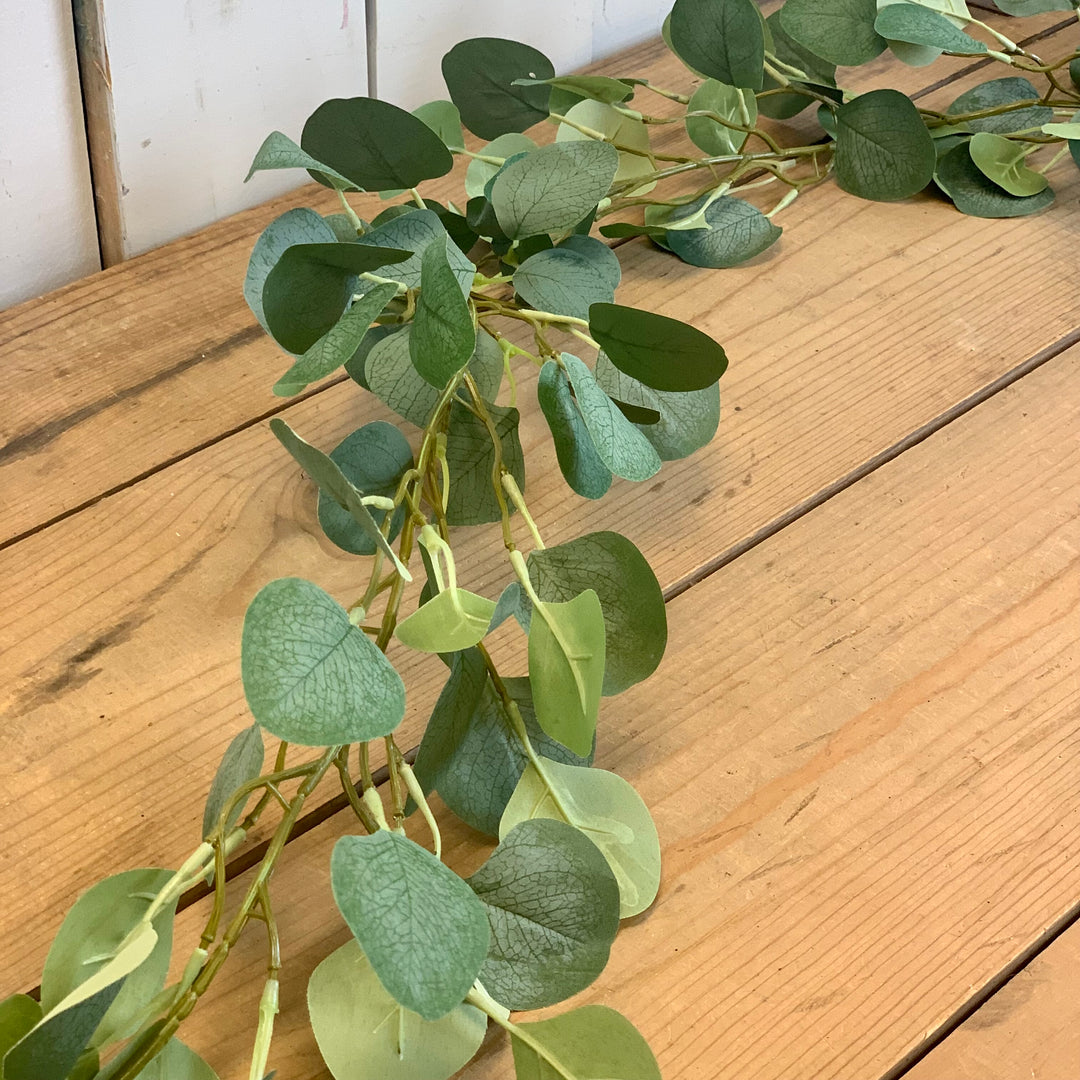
point(198, 84)
point(48, 235)
point(618, 24)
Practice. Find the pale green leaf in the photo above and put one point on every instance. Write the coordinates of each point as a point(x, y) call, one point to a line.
point(444, 119)
point(974, 194)
point(1070, 130)
point(480, 173)
point(1002, 161)
point(242, 761)
point(597, 87)
point(18, 1014)
point(629, 135)
point(177, 1062)
point(455, 619)
point(735, 106)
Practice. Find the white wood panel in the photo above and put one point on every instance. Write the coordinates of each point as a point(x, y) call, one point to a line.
point(47, 231)
point(618, 24)
point(197, 86)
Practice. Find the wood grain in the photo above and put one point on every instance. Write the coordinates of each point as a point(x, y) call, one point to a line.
point(861, 753)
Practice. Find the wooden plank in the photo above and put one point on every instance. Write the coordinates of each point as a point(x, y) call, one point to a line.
point(46, 208)
point(861, 754)
point(1029, 1029)
point(98, 602)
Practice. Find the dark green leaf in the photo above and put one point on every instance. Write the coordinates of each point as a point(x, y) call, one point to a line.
point(242, 761)
point(566, 280)
point(637, 414)
point(309, 675)
point(552, 904)
point(345, 232)
point(994, 94)
point(18, 1014)
point(620, 229)
point(471, 459)
point(581, 465)
point(660, 352)
point(278, 151)
point(839, 31)
point(443, 336)
point(883, 150)
point(959, 177)
point(918, 25)
point(375, 144)
point(723, 39)
point(737, 232)
point(821, 73)
point(420, 926)
point(480, 76)
point(596, 87)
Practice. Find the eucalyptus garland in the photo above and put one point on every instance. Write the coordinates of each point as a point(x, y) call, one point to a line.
point(434, 309)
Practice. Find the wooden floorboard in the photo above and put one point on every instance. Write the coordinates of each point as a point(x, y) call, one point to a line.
point(861, 753)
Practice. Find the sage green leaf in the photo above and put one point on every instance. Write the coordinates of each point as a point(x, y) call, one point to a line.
point(416, 231)
point(480, 173)
point(1069, 131)
point(512, 602)
point(580, 463)
point(421, 927)
point(735, 106)
point(918, 25)
point(309, 675)
point(623, 229)
point(91, 932)
point(566, 668)
point(1002, 161)
point(723, 39)
point(608, 811)
point(242, 762)
point(301, 226)
point(620, 445)
point(593, 1043)
point(443, 336)
point(455, 619)
point(688, 421)
point(663, 353)
point(338, 344)
point(308, 288)
point(364, 1034)
point(566, 281)
point(480, 74)
point(471, 458)
point(839, 31)
point(444, 119)
point(1025, 8)
point(552, 904)
point(635, 619)
point(373, 459)
point(628, 134)
point(820, 72)
point(177, 1062)
point(333, 482)
point(375, 144)
point(974, 194)
point(883, 150)
point(595, 87)
point(737, 231)
point(553, 188)
point(456, 226)
point(345, 232)
point(18, 1014)
point(278, 151)
point(994, 94)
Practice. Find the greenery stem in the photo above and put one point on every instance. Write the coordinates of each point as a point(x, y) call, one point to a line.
point(512, 489)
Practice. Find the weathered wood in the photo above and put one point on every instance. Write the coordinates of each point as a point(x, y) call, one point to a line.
point(861, 754)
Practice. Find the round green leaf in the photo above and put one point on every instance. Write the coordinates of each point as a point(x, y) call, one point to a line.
point(364, 1034)
point(454, 619)
point(1025, 8)
point(582, 467)
point(443, 336)
point(1002, 161)
point(309, 675)
point(994, 94)
point(552, 904)
point(663, 353)
point(471, 458)
point(568, 278)
point(627, 133)
point(177, 1062)
point(375, 144)
point(918, 25)
point(973, 193)
point(610, 813)
point(736, 106)
point(421, 927)
point(723, 39)
point(883, 150)
point(444, 119)
point(635, 618)
point(480, 173)
point(480, 74)
point(415, 231)
point(839, 31)
point(737, 231)
point(242, 761)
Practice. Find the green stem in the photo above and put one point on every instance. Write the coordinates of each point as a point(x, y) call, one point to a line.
point(512, 489)
point(483, 1001)
point(350, 213)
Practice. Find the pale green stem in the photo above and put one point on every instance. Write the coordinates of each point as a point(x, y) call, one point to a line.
point(510, 485)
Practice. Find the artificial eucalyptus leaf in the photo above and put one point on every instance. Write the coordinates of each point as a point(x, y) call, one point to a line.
point(883, 150)
point(455, 619)
point(1002, 161)
point(456, 225)
point(420, 926)
point(444, 119)
point(512, 603)
point(18, 1014)
point(374, 144)
point(480, 172)
point(723, 39)
point(593, 1043)
point(628, 134)
point(1069, 131)
point(310, 285)
point(839, 31)
point(821, 73)
point(551, 189)
point(300, 226)
point(620, 445)
point(635, 618)
point(481, 76)
point(372, 459)
point(91, 933)
point(993, 95)
point(737, 231)
point(309, 675)
point(918, 25)
point(338, 344)
point(241, 762)
point(471, 459)
point(619, 230)
point(733, 105)
point(552, 904)
point(335, 485)
point(637, 414)
point(364, 1034)
point(975, 194)
point(443, 336)
point(566, 668)
point(415, 232)
point(1026, 8)
point(566, 281)
point(610, 813)
point(278, 151)
point(660, 352)
point(595, 87)
point(177, 1062)
point(580, 463)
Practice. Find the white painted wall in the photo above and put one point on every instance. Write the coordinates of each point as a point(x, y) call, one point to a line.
point(618, 24)
point(47, 230)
